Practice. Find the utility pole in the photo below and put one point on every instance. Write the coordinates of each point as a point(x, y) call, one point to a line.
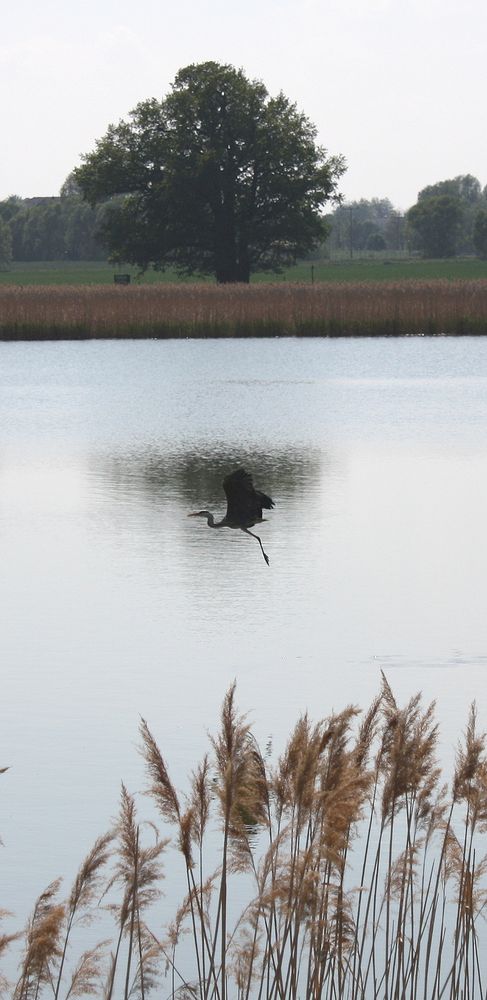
point(351, 232)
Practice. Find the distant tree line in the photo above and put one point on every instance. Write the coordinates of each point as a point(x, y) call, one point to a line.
point(57, 228)
point(364, 226)
point(449, 219)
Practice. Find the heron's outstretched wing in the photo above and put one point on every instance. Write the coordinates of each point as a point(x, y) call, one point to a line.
point(244, 502)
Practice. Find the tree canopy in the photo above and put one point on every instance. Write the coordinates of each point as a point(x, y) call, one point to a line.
point(216, 178)
point(443, 219)
point(436, 221)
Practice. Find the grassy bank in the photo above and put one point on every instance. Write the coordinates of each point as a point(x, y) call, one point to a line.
point(259, 310)
point(378, 268)
point(345, 870)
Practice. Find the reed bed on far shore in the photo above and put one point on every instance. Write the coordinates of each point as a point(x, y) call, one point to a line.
point(393, 308)
point(344, 870)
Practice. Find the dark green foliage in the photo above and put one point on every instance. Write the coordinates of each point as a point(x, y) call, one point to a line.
point(465, 187)
point(436, 221)
point(218, 178)
point(439, 230)
point(5, 245)
point(480, 233)
point(10, 207)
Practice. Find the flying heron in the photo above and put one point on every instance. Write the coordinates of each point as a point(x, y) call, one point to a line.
point(244, 506)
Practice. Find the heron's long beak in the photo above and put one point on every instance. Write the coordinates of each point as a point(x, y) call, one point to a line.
point(194, 514)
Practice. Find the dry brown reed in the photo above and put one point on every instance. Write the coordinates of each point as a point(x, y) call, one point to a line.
point(77, 910)
point(279, 309)
point(363, 876)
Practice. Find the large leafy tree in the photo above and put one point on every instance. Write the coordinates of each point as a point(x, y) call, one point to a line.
point(466, 187)
point(216, 178)
point(440, 229)
point(436, 222)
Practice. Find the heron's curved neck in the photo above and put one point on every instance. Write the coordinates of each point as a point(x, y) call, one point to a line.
point(210, 520)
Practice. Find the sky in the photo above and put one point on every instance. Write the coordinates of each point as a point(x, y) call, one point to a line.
point(396, 86)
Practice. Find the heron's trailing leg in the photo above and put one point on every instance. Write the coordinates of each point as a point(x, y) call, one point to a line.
point(247, 532)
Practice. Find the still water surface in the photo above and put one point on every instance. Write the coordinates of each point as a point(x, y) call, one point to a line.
point(115, 605)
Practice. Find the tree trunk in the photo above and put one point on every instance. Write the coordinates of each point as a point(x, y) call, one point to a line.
point(231, 267)
point(237, 274)
point(244, 273)
point(231, 251)
point(226, 265)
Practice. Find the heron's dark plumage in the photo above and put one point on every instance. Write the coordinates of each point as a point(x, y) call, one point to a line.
point(244, 506)
point(244, 503)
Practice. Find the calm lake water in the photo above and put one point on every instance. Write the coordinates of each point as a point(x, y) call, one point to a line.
point(115, 605)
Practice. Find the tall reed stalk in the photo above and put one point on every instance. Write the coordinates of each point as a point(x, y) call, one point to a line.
point(346, 870)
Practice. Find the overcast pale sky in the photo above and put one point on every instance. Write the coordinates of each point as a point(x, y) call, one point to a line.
point(397, 86)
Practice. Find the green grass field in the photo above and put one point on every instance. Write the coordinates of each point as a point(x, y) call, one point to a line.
point(95, 273)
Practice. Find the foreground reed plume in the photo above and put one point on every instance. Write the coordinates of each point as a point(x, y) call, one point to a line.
point(345, 870)
point(390, 308)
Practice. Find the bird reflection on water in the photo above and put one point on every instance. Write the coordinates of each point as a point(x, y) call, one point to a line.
point(244, 506)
